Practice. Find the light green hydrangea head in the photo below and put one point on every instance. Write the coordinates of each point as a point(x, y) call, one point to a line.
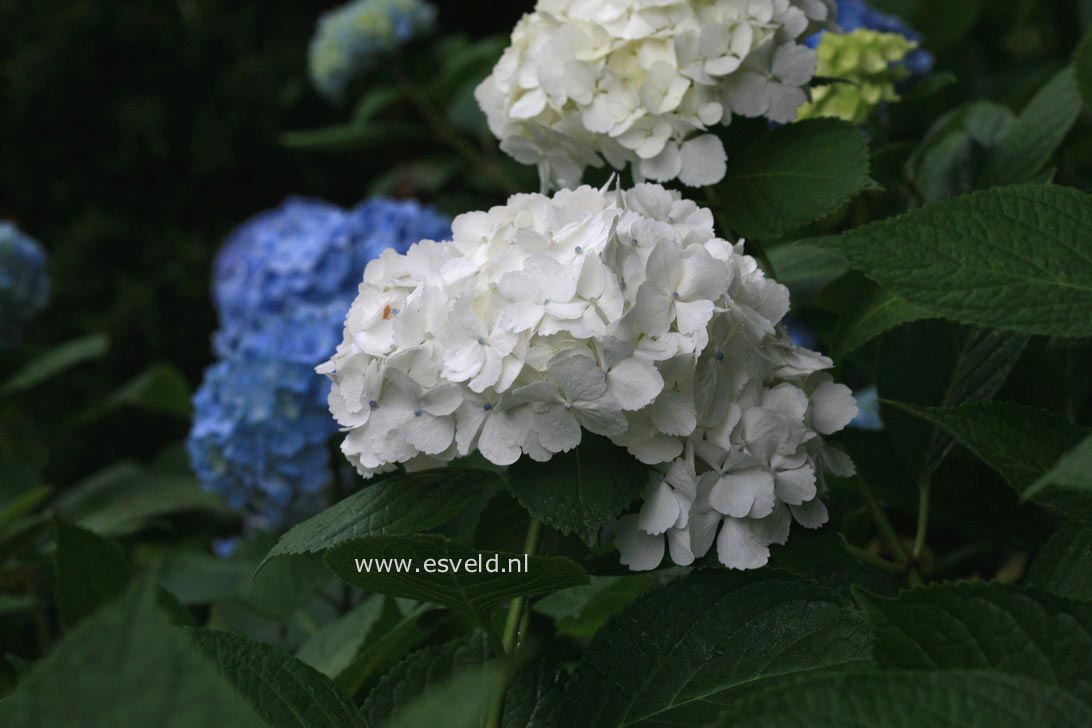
point(351, 39)
point(867, 65)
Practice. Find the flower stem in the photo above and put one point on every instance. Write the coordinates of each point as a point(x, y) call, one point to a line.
point(454, 139)
point(870, 558)
point(515, 627)
point(883, 524)
point(923, 518)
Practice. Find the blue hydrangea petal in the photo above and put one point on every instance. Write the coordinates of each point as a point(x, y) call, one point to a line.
point(24, 282)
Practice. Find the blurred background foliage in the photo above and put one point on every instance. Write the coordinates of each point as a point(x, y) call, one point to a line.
point(137, 134)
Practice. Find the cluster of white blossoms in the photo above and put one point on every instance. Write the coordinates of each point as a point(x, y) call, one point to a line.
point(641, 81)
point(616, 312)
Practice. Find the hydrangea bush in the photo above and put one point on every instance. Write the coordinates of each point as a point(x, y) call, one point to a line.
point(352, 39)
point(598, 464)
point(282, 284)
point(24, 282)
point(640, 84)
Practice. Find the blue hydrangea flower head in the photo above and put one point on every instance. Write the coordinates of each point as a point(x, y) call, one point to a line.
point(259, 438)
point(24, 282)
point(351, 39)
point(868, 409)
point(309, 253)
point(282, 284)
point(856, 14)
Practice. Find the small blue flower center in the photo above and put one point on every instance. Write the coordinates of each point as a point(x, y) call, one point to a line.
point(675, 294)
point(579, 249)
point(719, 356)
point(487, 406)
point(372, 403)
point(417, 412)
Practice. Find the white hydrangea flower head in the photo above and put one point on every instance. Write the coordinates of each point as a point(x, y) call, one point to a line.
point(614, 312)
point(641, 82)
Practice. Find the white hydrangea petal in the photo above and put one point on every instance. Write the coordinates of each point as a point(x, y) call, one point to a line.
point(812, 514)
point(742, 494)
point(664, 166)
point(737, 547)
point(634, 383)
point(793, 487)
point(672, 414)
point(833, 407)
point(660, 510)
point(639, 550)
point(654, 309)
point(678, 546)
point(521, 316)
point(692, 316)
point(441, 400)
point(557, 429)
point(502, 436)
point(656, 448)
point(578, 376)
point(430, 435)
point(703, 531)
point(702, 161)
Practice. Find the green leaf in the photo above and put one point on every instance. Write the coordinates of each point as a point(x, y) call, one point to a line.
point(938, 363)
point(1036, 135)
point(23, 505)
point(680, 654)
point(280, 605)
point(466, 64)
point(534, 697)
point(988, 626)
point(581, 610)
point(1082, 68)
point(881, 313)
point(358, 646)
point(955, 148)
point(55, 361)
point(89, 571)
point(123, 498)
point(283, 690)
point(1071, 473)
point(159, 388)
point(982, 366)
point(821, 555)
point(423, 672)
point(407, 503)
point(377, 99)
point(353, 137)
point(580, 490)
point(1064, 566)
point(124, 667)
point(334, 647)
point(898, 699)
point(1018, 442)
point(801, 264)
point(460, 579)
point(792, 176)
point(1008, 258)
point(198, 577)
point(460, 703)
